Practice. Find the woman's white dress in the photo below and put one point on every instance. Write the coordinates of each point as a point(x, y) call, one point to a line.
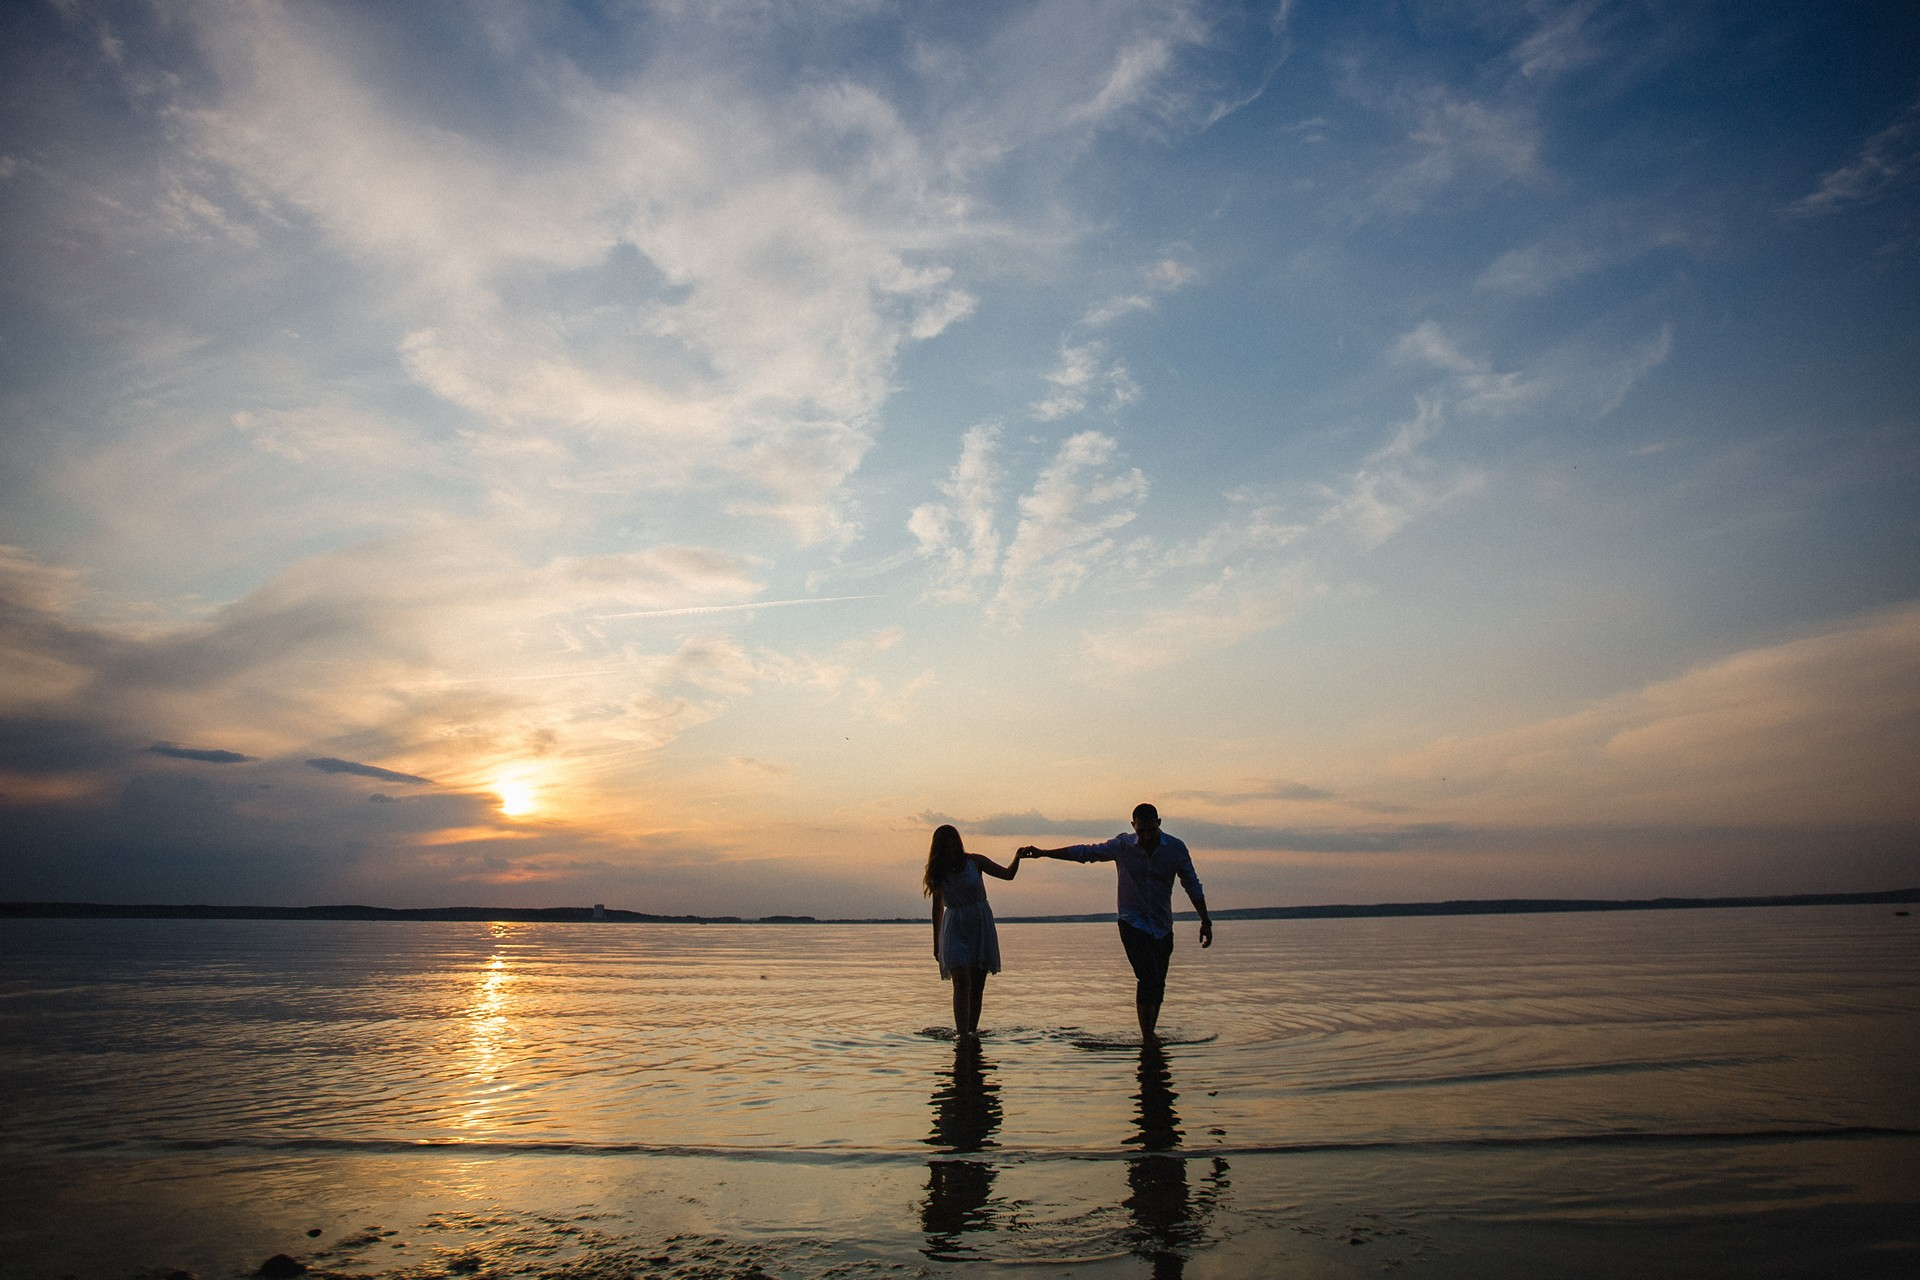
point(968, 939)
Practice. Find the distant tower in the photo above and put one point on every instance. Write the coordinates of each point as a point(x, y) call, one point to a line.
point(599, 911)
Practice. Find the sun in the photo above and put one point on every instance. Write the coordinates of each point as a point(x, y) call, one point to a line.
point(518, 797)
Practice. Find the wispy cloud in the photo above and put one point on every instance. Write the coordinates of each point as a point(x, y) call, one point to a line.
point(1066, 520)
point(1162, 277)
point(1235, 604)
point(1204, 835)
point(328, 764)
point(204, 755)
point(1810, 730)
point(961, 535)
point(414, 656)
point(1454, 142)
point(1884, 164)
point(1061, 539)
point(1272, 789)
point(1585, 375)
point(1084, 375)
point(1610, 235)
point(688, 275)
point(1265, 560)
point(1563, 41)
point(688, 611)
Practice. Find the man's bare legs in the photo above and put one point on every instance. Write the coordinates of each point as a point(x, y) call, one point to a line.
point(969, 985)
point(1147, 1008)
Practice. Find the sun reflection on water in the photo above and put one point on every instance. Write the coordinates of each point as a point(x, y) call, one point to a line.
point(489, 1048)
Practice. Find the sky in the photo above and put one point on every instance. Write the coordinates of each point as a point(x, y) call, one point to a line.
point(676, 454)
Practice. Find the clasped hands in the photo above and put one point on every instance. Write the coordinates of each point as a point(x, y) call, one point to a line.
point(1026, 851)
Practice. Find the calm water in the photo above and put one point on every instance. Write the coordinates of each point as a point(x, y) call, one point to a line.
point(1701, 1092)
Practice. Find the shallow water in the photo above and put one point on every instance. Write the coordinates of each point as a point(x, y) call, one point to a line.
point(1701, 1091)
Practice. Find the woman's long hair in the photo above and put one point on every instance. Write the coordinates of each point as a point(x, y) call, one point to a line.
point(945, 855)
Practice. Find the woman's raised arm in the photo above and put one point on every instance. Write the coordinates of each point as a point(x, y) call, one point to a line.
point(993, 868)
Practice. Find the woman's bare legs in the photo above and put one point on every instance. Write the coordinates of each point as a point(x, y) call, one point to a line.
point(969, 985)
point(962, 980)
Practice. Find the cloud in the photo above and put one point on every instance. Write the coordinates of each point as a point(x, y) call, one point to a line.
point(1608, 235)
point(1567, 38)
point(1452, 142)
point(770, 376)
point(1884, 164)
point(892, 706)
point(1375, 838)
point(1076, 67)
point(1162, 277)
point(28, 585)
point(1060, 540)
point(1399, 482)
point(1030, 823)
point(1581, 374)
point(1065, 520)
point(1819, 729)
point(683, 267)
point(327, 764)
point(207, 756)
point(1082, 376)
point(1263, 561)
point(1235, 604)
point(961, 535)
point(441, 658)
point(56, 741)
point(1274, 789)
point(1216, 835)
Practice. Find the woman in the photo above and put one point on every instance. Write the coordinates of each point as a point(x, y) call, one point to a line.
point(964, 940)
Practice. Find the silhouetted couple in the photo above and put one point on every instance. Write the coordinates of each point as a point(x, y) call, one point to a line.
point(1148, 861)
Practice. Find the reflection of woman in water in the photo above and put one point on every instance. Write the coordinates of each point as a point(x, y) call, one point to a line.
point(964, 940)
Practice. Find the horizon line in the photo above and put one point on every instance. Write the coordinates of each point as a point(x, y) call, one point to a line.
point(600, 913)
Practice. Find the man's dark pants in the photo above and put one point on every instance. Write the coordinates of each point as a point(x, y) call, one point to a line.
point(1149, 957)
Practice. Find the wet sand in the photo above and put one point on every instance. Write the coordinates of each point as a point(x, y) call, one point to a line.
point(1707, 1208)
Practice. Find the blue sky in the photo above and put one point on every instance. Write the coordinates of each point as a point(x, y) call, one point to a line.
point(672, 454)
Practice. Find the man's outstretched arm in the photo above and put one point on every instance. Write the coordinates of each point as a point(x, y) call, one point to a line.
point(1071, 852)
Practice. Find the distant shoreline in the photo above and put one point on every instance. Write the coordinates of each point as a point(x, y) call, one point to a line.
point(610, 915)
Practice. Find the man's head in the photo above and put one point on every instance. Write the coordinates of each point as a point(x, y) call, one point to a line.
point(1146, 824)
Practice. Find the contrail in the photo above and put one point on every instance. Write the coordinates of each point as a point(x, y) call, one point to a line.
point(729, 608)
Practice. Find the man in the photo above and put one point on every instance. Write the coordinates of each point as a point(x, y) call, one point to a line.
point(1148, 862)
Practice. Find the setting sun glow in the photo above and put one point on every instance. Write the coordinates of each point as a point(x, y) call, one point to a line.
point(518, 797)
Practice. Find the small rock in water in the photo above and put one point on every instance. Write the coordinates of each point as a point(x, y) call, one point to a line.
point(281, 1267)
point(313, 1233)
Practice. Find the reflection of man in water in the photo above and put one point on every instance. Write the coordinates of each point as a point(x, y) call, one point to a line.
point(1148, 861)
point(1168, 1218)
point(966, 1115)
